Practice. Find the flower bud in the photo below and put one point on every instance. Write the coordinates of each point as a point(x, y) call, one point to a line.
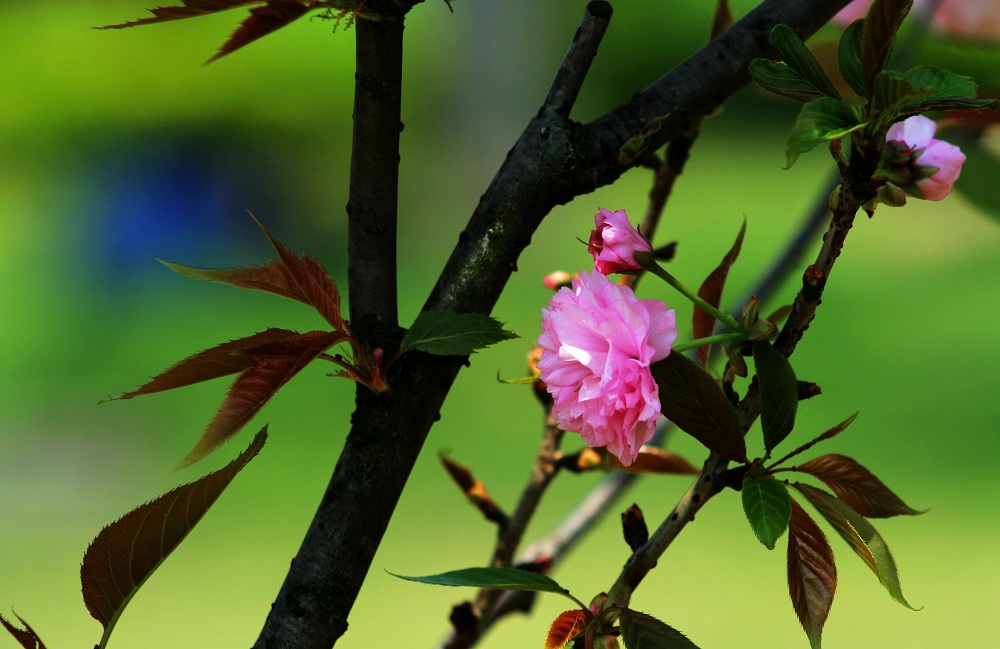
point(614, 243)
point(922, 166)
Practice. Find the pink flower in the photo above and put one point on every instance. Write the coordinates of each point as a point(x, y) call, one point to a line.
point(935, 164)
point(615, 242)
point(598, 341)
point(973, 19)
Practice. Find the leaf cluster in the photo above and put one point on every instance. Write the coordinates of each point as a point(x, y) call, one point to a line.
point(884, 96)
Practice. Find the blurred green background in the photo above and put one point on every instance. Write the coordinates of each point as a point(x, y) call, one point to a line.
point(117, 148)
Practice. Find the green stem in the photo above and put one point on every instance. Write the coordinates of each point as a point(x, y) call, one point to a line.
point(708, 340)
point(647, 262)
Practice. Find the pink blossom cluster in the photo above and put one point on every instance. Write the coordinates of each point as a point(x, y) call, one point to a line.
point(598, 342)
point(935, 164)
point(975, 19)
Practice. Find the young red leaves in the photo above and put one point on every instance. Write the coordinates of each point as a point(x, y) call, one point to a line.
point(703, 324)
point(567, 626)
point(812, 573)
point(127, 552)
point(26, 637)
point(265, 18)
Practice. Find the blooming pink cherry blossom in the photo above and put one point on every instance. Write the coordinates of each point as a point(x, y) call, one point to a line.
point(598, 341)
point(974, 19)
point(936, 164)
point(615, 242)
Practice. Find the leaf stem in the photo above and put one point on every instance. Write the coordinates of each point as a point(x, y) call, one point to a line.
point(647, 262)
point(708, 340)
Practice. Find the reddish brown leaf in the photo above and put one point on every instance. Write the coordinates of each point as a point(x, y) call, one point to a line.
point(857, 486)
point(190, 9)
point(298, 278)
point(311, 281)
point(474, 490)
point(257, 384)
point(127, 552)
point(829, 434)
point(711, 292)
point(26, 637)
point(656, 460)
point(262, 21)
point(812, 573)
point(213, 363)
point(567, 626)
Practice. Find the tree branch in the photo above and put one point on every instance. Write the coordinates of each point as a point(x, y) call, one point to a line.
point(553, 161)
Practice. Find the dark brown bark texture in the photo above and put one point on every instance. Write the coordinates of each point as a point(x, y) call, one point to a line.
point(554, 161)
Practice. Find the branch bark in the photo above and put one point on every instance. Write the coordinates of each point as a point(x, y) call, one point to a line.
point(553, 161)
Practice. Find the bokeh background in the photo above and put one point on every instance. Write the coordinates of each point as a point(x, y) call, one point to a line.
point(118, 148)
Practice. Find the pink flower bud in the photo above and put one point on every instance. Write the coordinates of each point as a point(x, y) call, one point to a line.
point(615, 242)
point(598, 341)
point(555, 281)
point(935, 164)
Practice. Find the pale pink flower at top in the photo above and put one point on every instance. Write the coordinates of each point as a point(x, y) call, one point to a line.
point(975, 19)
point(936, 164)
point(598, 341)
point(614, 242)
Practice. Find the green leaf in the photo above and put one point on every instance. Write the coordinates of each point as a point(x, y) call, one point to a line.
point(798, 57)
point(780, 79)
point(693, 400)
point(819, 121)
point(504, 578)
point(926, 88)
point(849, 57)
point(446, 332)
point(881, 24)
point(779, 393)
point(768, 508)
point(127, 552)
point(812, 574)
point(641, 631)
point(861, 535)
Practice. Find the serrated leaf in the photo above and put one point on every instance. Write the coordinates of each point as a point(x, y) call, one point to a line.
point(819, 121)
point(767, 506)
point(861, 535)
point(857, 486)
point(703, 323)
point(779, 393)
point(302, 279)
point(798, 57)
point(693, 400)
point(828, 434)
point(780, 79)
point(565, 627)
point(25, 637)
point(503, 578)
point(262, 21)
point(849, 57)
point(124, 555)
point(446, 332)
point(274, 364)
point(812, 574)
point(221, 360)
point(881, 24)
point(641, 631)
point(926, 88)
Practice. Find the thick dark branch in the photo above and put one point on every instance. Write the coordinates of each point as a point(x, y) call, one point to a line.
point(554, 161)
point(566, 87)
point(371, 223)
